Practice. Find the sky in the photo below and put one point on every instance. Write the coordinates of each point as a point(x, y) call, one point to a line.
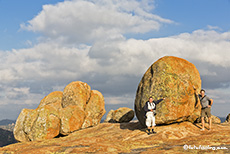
point(109, 44)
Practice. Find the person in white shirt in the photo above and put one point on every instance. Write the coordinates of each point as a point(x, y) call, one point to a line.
point(150, 109)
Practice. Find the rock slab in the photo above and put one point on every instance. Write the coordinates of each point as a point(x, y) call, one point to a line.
point(172, 78)
point(131, 138)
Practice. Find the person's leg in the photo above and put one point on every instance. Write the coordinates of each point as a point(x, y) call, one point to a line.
point(202, 121)
point(153, 124)
point(152, 127)
point(202, 118)
point(209, 117)
point(148, 123)
point(210, 123)
point(151, 121)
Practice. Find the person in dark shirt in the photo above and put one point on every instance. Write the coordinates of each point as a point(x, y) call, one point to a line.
point(150, 109)
point(206, 104)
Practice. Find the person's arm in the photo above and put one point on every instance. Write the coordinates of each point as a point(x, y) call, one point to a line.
point(158, 101)
point(195, 91)
point(196, 95)
point(210, 103)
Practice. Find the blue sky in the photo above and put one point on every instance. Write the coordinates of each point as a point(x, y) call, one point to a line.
point(12, 14)
point(108, 43)
point(188, 16)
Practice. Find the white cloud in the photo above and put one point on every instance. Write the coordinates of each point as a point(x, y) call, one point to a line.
point(11, 95)
point(119, 100)
point(213, 27)
point(133, 56)
point(50, 66)
point(86, 21)
point(43, 60)
point(40, 70)
point(207, 46)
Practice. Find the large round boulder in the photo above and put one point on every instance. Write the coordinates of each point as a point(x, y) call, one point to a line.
point(175, 79)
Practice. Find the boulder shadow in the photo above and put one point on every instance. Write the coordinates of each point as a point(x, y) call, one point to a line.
point(199, 125)
point(127, 117)
point(133, 125)
point(136, 125)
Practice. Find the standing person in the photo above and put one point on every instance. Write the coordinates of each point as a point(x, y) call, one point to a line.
point(205, 108)
point(150, 109)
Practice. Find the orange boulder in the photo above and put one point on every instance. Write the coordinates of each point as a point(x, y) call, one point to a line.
point(76, 93)
point(54, 97)
point(21, 125)
point(95, 109)
point(61, 113)
point(72, 118)
point(174, 79)
point(41, 123)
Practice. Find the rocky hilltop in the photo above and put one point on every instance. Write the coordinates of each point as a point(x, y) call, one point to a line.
point(77, 111)
point(131, 138)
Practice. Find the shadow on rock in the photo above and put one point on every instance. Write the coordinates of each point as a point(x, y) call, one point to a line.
point(133, 125)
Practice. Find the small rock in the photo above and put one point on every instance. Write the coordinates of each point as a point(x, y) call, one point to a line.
point(109, 117)
point(120, 115)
